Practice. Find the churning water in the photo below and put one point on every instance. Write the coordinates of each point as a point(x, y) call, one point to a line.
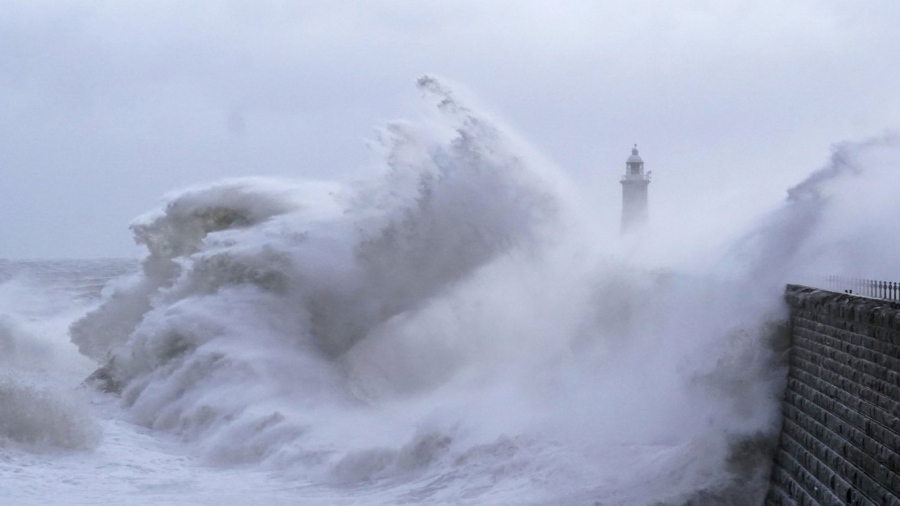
point(452, 331)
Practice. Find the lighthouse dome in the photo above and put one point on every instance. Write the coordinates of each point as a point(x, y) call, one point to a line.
point(635, 157)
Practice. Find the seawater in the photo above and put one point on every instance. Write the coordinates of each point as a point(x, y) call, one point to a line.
point(453, 330)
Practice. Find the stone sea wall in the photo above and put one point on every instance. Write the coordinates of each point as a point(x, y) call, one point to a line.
point(840, 436)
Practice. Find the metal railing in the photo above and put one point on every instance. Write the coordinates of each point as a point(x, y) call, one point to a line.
point(875, 289)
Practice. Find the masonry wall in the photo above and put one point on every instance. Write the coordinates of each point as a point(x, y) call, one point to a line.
point(840, 439)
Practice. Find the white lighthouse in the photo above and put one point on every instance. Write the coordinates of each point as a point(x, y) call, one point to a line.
point(634, 193)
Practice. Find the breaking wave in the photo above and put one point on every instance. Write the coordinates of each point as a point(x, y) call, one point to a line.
point(451, 331)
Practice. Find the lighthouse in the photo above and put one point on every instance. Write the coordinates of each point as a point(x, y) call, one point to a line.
point(634, 193)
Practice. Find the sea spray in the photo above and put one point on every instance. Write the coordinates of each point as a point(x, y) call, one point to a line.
point(451, 332)
point(39, 410)
point(835, 222)
point(829, 224)
point(37, 417)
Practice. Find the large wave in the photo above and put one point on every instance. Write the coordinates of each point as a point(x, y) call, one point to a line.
point(451, 331)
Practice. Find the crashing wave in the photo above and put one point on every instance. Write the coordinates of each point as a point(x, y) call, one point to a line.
point(447, 328)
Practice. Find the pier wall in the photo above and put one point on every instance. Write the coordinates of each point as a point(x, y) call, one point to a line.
point(840, 436)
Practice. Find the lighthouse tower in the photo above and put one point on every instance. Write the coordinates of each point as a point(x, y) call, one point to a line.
point(634, 193)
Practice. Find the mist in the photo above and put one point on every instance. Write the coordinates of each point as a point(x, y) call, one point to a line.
point(104, 108)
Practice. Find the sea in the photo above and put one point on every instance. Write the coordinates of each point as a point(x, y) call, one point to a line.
point(450, 331)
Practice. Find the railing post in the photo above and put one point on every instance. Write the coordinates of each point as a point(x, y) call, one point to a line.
point(861, 287)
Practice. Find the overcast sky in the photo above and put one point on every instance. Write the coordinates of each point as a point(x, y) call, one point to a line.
point(106, 106)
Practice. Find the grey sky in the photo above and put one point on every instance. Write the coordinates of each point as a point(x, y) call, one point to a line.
point(105, 106)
